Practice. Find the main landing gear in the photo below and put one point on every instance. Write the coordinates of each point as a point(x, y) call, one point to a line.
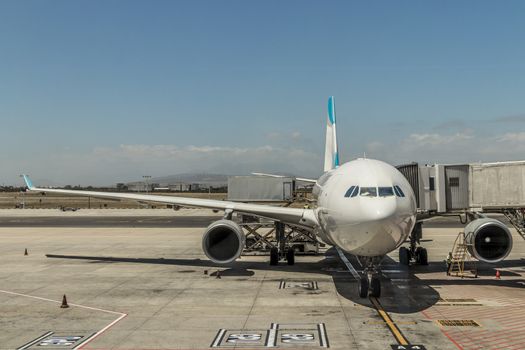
point(369, 281)
point(415, 252)
point(275, 256)
point(281, 252)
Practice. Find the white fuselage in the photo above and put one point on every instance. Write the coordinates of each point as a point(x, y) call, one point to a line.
point(358, 221)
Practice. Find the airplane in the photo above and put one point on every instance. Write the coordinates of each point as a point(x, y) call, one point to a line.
point(365, 207)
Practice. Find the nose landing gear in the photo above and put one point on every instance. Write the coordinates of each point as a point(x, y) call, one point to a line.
point(369, 285)
point(370, 279)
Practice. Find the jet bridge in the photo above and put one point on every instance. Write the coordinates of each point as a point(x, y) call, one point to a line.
point(470, 188)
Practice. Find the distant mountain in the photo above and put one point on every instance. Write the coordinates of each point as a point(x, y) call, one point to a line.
point(190, 178)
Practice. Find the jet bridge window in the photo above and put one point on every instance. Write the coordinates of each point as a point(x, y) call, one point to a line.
point(398, 191)
point(385, 191)
point(352, 191)
point(369, 191)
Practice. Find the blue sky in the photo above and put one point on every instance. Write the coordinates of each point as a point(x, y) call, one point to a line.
point(98, 92)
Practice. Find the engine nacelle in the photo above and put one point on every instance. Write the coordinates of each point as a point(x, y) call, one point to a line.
point(223, 241)
point(489, 240)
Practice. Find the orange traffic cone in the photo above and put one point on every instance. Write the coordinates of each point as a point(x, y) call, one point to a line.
point(64, 302)
point(498, 275)
point(25, 253)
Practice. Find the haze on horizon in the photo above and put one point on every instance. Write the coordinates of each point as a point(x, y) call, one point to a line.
point(99, 92)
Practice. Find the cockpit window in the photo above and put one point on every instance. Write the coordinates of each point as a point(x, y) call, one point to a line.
point(349, 192)
point(368, 191)
point(352, 191)
point(398, 191)
point(385, 191)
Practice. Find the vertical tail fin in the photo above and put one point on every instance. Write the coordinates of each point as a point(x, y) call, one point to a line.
point(331, 155)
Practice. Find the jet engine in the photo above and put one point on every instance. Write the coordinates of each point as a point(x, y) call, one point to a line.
point(223, 241)
point(488, 240)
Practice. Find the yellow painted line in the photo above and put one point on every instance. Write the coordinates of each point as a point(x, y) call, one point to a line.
point(391, 325)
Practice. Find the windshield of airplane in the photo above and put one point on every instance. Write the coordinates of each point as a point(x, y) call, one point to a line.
point(369, 191)
point(349, 192)
point(385, 191)
point(398, 191)
point(352, 191)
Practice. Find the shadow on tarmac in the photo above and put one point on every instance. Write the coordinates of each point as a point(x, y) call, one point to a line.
point(402, 291)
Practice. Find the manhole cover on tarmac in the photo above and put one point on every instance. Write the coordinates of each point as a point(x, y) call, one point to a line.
point(458, 323)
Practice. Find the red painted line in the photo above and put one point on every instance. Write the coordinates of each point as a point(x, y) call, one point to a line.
point(452, 340)
point(477, 313)
point(518, 343)
point(445, 333)
point(518, 337)
point(519, 346)
point(496, 334)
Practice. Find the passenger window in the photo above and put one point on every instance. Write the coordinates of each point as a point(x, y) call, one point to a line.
point(398, 191)
point(349, 192)
point(431, 184)
point(385, 191)
point(356, 192)
point(369, 191)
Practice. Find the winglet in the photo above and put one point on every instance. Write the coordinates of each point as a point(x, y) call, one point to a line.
point(28, 182)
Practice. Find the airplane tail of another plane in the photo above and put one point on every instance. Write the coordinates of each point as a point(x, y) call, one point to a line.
point(331, 155)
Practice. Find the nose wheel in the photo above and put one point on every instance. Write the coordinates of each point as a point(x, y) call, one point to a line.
point(370, 279)
point(363, 286)
point(415, 251)
point(369, 286)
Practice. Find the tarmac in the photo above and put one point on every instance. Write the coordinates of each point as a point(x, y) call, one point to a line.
point(153, 288)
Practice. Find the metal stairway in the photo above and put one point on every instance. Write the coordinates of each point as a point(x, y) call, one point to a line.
point(461, 258)
point(517, 219)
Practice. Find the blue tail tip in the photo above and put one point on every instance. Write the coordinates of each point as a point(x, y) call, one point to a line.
point(331, 110)
point(28, 181)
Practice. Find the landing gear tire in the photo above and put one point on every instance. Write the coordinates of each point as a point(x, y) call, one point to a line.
point(375, 287)
point(422, 256)
point(274, 256)
point(290, 256)
point(363, 286)
point(404, 256)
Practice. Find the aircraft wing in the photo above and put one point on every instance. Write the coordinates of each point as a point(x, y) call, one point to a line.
point(303, 179)
point(297, 216)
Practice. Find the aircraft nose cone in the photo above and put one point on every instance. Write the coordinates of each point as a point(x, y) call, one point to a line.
point(384, 210)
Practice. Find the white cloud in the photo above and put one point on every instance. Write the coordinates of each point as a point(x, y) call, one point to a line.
point(461, 147)
point(127, 162)
point(273, 135)
point(518, 137)
point(296, 135)
point(437, 139)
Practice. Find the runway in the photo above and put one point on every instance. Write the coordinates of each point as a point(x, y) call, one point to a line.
point(154, 221)
point(109, 221)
